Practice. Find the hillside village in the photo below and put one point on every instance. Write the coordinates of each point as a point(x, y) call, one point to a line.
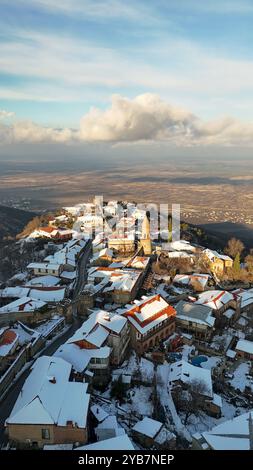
point(118, 341)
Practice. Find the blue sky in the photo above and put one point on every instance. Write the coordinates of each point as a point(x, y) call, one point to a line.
point(60, 58)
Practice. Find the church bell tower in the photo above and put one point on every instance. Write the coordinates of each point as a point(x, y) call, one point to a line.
point(145, 241)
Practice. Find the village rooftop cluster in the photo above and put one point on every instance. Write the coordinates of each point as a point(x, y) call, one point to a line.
point(129, 342)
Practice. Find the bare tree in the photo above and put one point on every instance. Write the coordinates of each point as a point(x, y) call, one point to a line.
point(234, 247)
point(190, 399)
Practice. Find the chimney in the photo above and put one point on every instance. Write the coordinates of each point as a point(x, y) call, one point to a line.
point(52, 380)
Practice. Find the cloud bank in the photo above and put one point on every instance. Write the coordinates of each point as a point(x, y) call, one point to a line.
point(144, 118)
point(6, 114)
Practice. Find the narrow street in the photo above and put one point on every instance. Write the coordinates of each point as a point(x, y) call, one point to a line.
point(8, 402)
point(82, 271)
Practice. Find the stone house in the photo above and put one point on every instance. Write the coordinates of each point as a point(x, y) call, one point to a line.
point(218, 263)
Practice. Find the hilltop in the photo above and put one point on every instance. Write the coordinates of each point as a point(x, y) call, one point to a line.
point(12, 221)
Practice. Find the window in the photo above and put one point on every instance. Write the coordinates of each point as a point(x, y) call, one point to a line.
point(45, 434)
point(98, 360)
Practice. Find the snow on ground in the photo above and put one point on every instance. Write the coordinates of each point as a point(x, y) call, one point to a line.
point(204, 422)
point(138, 402)
point(143, 366)
point(211, 362)
point(141, 401)
point(240, 380)
point(167, 400)
point(186, 351)
point(222, 342)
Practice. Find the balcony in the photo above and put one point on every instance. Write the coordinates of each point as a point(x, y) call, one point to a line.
point(154, 331)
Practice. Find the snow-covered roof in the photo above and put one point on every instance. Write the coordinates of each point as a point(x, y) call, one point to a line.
point(105, 252)
point(120, 279)
point(80, 358)
point(71, 275)
point(77, 357)
point(245, 346)
point(48, 294)
point(44, 281)
point(62, 257)
point(95, 329)
point(189, 279)
point(8, 341)
point(230, 435)
point(185, 372)
point(246, 297)
point(99, 413)
point(25, 334)
point(121, 442)
point(45, 266)
point(230, 353)
point(151, 311)
point(180, 245)
point(138, 262)
point(25, 304)
point(212, 254)
point(110, 422)
point(14, 292)
point(47, 396)
point(97, 336)
point(112, 322)
point(194, 312)
point(215, 299)
point(178, 254)
point(147, 426)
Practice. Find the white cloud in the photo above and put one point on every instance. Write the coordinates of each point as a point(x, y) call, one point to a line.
point(69, 65)
point(6, 114)
point(30, 132)
point(146, 118)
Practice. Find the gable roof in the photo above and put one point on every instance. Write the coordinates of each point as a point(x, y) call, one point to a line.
point(48, 397)
point(25, 304)
point(194, 312)
point(233, 434)
point(147, 426)
point(96, 329)
point(121, 442)
point(215, 299)
point(149, 312)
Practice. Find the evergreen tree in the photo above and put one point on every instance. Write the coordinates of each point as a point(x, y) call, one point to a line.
point(237, 263)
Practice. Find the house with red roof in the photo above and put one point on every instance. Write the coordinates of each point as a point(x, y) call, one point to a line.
point(151, 320)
